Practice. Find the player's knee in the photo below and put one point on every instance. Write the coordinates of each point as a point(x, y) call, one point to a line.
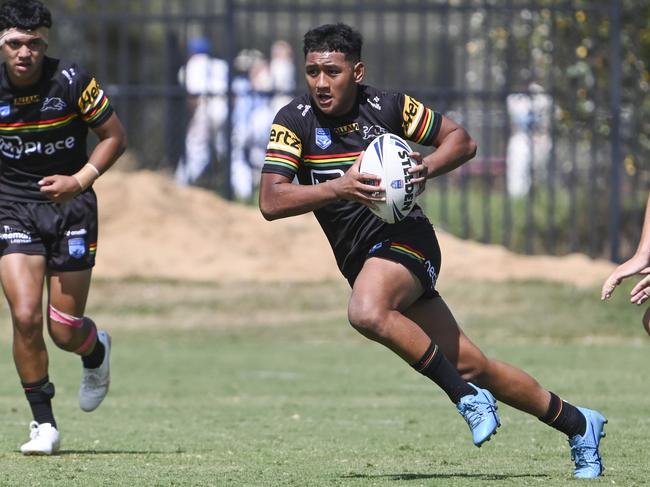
point(367, 318)
point(64, 329)
point(27, 320)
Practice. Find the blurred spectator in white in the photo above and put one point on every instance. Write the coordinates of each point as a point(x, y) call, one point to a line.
point(530, 140)
point(205, 79)
point(270, 85)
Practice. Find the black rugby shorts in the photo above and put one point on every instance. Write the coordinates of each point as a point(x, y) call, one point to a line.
point(65, 234)
point(412, 243)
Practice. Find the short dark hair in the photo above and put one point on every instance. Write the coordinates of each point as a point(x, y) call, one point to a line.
point(24, 14)
point(334, 38)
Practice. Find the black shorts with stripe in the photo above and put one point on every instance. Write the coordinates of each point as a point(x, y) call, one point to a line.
point(65, 234)
point(412, 243)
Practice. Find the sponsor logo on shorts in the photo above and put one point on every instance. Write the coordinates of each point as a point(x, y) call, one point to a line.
point(431, 272)
point(376, 247)
point(76, 233)
point(77, 247)
point(13, 147)
point(323, 138)
point(5, 109)
point(14, 236)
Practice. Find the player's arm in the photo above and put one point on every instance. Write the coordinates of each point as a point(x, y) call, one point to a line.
point(112, 143)
point(454, 147)
point(279, 198)
point(638, 263)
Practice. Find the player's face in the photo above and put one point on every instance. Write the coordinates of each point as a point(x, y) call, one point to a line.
point(332, 81)
point(24, 55)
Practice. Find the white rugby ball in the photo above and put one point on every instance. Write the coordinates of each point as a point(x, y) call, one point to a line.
point(387, 156)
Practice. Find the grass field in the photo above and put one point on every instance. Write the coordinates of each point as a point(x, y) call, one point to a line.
point(266, 385)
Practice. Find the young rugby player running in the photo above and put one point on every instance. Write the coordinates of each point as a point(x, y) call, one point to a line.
point(48, 210)
point(392, 268)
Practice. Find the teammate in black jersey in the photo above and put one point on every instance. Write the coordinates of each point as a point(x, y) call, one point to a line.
point(48, 209)
point(392, 269)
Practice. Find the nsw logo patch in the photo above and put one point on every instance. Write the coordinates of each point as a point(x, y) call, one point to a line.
point(323, 138)
point(77, 247)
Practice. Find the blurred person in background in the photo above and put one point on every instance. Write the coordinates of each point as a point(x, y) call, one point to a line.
point(205, 79)
point(267, 88)
point(48, 210)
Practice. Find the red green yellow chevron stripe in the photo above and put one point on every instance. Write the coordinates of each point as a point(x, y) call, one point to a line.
point(425, 127)
point(92, 248)
point(281, 159)
point(97, 112)
point(52, 123)
point(329, 160)
point(408, 251)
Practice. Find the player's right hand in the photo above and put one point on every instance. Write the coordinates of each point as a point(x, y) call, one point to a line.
point(60, 188)
point(364, 188)
point(638, 264)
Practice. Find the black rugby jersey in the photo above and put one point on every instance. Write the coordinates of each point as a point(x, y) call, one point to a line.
point(43, 128)
point(314, 147)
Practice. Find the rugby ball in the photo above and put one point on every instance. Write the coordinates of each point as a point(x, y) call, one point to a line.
point(387, 156)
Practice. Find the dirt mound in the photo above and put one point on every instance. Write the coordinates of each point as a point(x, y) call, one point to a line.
point(150, 227)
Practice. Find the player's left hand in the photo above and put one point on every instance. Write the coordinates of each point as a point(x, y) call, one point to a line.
point(59, 188)
point(419, 172)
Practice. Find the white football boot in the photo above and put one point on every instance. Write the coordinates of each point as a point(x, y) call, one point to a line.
point(95, 382)
point(44, 440)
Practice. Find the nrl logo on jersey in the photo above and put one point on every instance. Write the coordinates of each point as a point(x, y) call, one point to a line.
point(323, 138)
point(53, 103)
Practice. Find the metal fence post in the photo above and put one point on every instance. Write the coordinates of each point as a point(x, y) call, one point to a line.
point(615, 99)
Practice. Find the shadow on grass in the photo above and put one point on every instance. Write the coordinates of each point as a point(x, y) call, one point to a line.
point(420, 476)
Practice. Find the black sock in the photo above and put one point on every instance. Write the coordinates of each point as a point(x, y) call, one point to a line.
point(95, 358)
point(436, 367)
point(40, 394)
point(564, 417)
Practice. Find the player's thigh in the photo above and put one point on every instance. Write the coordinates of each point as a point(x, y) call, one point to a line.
point(68, 291)
point(436, 319)
point(22, 277)
point(386, 285)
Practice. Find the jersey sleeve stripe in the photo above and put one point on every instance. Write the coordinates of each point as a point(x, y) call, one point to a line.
point(282, 160)
point(424, 127)
point(98, 112)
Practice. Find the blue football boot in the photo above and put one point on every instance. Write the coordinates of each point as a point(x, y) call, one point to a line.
point(584, 448)
point(480, 413)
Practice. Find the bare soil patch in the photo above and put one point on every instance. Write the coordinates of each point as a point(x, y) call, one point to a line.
point(152, 228)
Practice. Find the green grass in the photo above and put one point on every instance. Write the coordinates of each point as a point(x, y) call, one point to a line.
point(291, 395)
